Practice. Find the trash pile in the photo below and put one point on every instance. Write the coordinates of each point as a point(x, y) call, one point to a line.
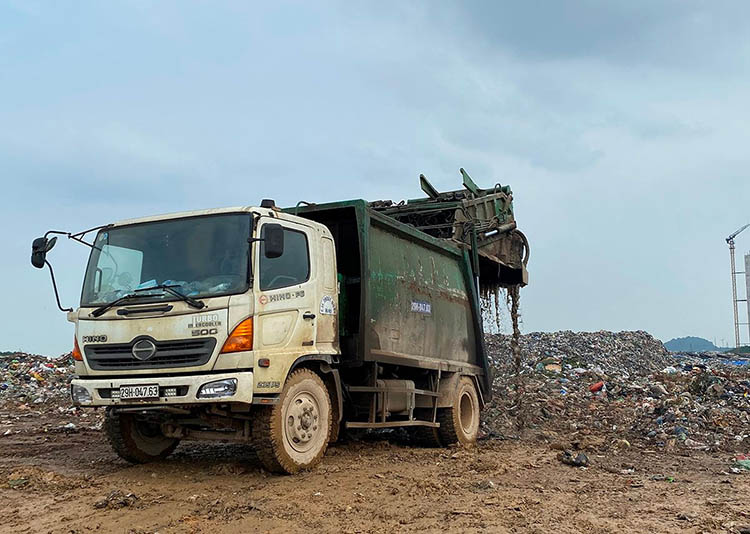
point(34, 379)
point(603, 388)
point(617, 390)
point(608, 352)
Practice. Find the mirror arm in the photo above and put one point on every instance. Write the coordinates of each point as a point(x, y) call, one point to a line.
point(58, 232)
point(54, 286)
point(78, 236)
point(43, 245)
point(84, 232)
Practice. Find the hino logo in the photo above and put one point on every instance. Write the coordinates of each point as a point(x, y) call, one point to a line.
point(143, 349)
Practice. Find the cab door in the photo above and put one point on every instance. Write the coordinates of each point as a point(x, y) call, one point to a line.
point(285, 295)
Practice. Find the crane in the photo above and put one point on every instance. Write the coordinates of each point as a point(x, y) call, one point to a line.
point(730, 242)
point(730, 239)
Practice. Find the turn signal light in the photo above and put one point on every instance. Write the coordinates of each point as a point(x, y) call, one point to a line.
point(241, 337)
point(77, 356)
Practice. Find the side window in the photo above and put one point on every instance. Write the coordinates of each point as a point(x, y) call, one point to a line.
point(118, 269)
point(291, 268)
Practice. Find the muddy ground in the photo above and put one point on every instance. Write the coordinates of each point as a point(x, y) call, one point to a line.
point(53, 480)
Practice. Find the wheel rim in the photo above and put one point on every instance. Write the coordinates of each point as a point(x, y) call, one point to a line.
point(466, 412)
point(302, 424)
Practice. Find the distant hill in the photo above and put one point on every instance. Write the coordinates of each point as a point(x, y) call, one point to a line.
point(691, 344)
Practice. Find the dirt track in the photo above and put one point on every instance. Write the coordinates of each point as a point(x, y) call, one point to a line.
point(52, 482)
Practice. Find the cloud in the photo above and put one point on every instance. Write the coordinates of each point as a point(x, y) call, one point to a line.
point(619, 125)
point(671, 34)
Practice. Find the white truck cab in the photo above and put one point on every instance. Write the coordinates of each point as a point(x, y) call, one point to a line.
point(191, 308)
point(287, 313)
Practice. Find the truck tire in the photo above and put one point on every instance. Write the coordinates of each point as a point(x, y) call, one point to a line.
point(335, 432)
point(460, 422)
point(425, 436)
point(137, 441)
point(293, 434)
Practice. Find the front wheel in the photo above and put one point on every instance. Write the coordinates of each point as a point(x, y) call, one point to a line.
point(293, 434)
point(460, 422)
point(136, 440)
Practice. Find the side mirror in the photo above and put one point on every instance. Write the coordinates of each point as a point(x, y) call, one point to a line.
point(273, 240)
point(39, 248)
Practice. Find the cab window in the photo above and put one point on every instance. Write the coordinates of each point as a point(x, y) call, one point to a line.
point(291, 268)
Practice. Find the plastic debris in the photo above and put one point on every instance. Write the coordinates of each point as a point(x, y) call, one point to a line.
point(742, 462)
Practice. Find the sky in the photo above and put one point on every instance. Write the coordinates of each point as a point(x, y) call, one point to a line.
point(621, 126)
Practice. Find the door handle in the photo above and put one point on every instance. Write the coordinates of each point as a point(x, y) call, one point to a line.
point(308, 315)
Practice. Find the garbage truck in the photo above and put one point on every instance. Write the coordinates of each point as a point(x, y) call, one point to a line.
point(280, 328)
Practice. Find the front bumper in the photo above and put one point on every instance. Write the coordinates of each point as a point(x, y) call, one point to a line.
point(105, 392)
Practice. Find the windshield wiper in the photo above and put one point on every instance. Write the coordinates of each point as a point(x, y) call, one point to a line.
point(190, 301)
point(102, 309)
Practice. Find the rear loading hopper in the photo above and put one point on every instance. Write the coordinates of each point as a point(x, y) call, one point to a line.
point(408, 275)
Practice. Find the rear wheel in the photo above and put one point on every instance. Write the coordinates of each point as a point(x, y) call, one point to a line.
point(425, 436)
point(337, 421)
point(293, 434)
point(336, 425)
point(136, 440)
point(460, 422)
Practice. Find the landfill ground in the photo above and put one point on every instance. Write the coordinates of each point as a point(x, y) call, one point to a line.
point(70, 482)
point(663, 441)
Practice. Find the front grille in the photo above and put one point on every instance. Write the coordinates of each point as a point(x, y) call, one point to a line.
point(176, 353)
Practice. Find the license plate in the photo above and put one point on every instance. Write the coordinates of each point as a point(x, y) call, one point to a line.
point(150, 391)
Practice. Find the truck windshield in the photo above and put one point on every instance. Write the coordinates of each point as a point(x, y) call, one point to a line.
point(204, 256)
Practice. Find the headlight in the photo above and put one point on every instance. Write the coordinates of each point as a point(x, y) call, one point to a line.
point(79, 394)
point(218, 388)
